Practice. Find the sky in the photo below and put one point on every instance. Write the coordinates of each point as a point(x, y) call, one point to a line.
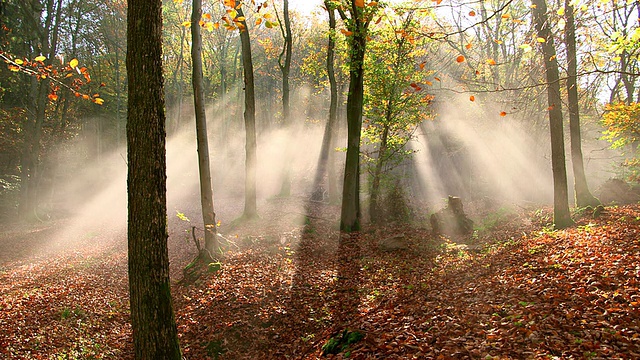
point(305, 6)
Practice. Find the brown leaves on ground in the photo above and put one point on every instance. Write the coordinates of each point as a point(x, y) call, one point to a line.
point(530, 293)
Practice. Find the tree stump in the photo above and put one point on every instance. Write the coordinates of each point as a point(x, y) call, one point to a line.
point(451, 220)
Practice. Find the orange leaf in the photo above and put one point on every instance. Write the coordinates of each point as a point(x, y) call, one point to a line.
point(472, 98)
point(436, 78)
point(491, 62)
point(86, 97)
point(472, 13)
point(422, 66)
point(468, 46)
point(346, 32)
point(53, 97)
point(359, 3)
point(429, 83)
point(503, 113)
point(460, 59)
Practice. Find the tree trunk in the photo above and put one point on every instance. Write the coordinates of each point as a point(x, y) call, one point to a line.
point(206, 193)
point(583, 195)
point(350, 216)
point(250, 206)
point(47, 35)
point(325, 162)
point(561, 215)
point(152, 318)
point(374, 205)
point(285, 68)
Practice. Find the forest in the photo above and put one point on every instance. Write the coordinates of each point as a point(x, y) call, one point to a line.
point(309, 179)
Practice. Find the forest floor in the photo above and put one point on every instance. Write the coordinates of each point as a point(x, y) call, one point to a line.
point(290, 288)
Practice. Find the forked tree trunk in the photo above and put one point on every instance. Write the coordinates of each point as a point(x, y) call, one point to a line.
point(583, 195)
point(561, 215)
point(250, 205)
point(152, 318)
point(325, 162)
point(285, 68)
point(206, 192)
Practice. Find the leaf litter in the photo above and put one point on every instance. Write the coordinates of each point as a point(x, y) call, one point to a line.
point(292, 285)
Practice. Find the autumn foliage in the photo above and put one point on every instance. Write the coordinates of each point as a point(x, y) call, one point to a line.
point(521, 291)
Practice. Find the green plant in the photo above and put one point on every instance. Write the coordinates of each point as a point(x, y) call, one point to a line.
point(215, 348)
point(341, 342)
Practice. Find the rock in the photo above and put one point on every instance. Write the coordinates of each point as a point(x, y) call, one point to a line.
point(616, 191)
point(396, 242)
point(451, 220)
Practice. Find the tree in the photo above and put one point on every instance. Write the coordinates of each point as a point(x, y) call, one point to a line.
point(325, 163)
point(357, 17)
point(285, 68)
point(206, 193)
point(561, 215)
point(250, 206)
point(395, 103)
point(152, 317)
point(581, 188)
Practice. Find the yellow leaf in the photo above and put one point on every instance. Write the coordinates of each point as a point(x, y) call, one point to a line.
point(499, 42)
point(617, 58)
point(240, 18)
point(207, 16)
point(561, 11)
point(14, 68)
point(98, 101)
point(73, 63)
point(186, 23)
point(491, 62)
point(209, 26)
point(541, 40)
point(40, 58)
point(18, 61)
point(525, 47)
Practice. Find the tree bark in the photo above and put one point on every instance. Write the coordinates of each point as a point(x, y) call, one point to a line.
point(581, 188)
point(325, 163)
point(350, 216)
point(206, 192)
point(152, 318)
point(561, 215)
point(285, 68)
point(250, 206)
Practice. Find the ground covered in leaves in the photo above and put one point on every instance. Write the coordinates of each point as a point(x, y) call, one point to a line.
point(292, 287)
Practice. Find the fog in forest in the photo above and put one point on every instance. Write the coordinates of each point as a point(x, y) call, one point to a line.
point(467, 149)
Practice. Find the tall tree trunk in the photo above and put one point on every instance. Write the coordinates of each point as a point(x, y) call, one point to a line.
point(250, 206)
point(350, 216)
point(325, 162)
point(47, 35)
point(561, 215)
point(583, 195)
point(285, 68)
point(374, 205)
point(206, 192)
point(152, 318)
